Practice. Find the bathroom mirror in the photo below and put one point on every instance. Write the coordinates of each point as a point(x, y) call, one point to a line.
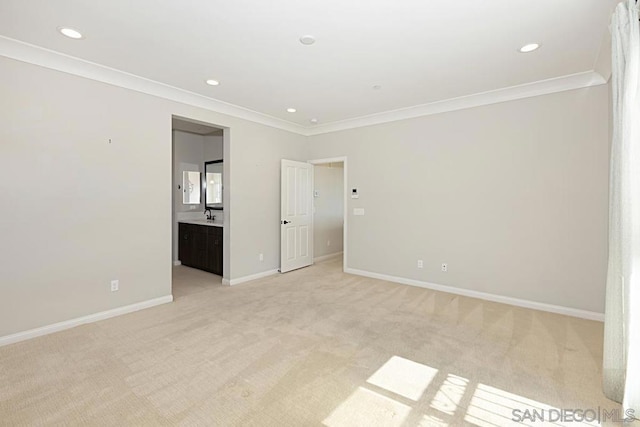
point(191, 187)
point(213, 184)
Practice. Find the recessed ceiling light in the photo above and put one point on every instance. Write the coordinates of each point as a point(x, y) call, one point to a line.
point(212, 82)
point(291, 110)
point(529, 47)
point(314, 121)
point(376, 87)
point(307, 40)
point(70, 32)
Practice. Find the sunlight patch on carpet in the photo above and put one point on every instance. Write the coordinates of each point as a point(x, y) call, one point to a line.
point(368, 408)
point(404, 377)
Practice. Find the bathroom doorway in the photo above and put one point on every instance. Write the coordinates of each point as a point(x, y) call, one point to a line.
point(200, 205)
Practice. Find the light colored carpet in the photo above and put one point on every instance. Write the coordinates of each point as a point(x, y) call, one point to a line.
point(310, 347)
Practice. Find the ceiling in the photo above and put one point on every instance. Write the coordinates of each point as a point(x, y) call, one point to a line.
point(417, 51)
point(194, 127)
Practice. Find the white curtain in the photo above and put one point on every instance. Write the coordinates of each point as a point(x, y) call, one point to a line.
point(621, 363)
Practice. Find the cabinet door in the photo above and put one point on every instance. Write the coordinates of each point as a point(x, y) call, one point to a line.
point(199, 246)
point(215, 253)
point(184, 245)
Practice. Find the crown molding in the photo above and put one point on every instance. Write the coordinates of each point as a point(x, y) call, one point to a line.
point(47, 58)
point(602, 64)
point(542, 87)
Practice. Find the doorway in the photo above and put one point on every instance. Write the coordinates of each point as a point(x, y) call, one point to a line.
point(199, 224)
point(330, 209)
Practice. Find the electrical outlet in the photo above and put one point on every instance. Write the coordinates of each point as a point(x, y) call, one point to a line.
point(115, 285)
point(261, 257)
point(444, 267)
point(420, 264)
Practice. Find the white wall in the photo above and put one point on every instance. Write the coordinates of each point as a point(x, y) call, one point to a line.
point(188, 148)
point(84, 211)
point(328, 182)
point(213, 148)
point(513, 196)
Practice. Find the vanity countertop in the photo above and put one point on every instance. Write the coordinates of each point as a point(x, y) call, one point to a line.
point(202, 222)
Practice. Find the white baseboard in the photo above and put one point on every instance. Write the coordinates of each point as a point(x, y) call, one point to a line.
point(68, 324)
point(239, 280)
point(568, 311)
point(177, 262)
point(326, 257)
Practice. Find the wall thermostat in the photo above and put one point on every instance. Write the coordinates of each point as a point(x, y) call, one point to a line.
point(354, 193)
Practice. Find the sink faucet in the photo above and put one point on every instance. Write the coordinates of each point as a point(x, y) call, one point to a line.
point(210, 217)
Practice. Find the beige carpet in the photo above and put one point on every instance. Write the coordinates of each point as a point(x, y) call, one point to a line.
point(311, 347)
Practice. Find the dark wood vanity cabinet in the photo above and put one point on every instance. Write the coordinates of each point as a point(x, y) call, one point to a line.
point(200, 247)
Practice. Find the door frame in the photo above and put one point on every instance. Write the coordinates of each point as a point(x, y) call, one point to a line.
point(343, 160)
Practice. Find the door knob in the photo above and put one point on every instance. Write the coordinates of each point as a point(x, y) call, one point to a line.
point(285, 222)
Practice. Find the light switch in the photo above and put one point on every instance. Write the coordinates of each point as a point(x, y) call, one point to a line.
point(358, 211)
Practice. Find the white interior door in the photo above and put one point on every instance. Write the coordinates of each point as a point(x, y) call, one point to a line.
point(296, 232)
